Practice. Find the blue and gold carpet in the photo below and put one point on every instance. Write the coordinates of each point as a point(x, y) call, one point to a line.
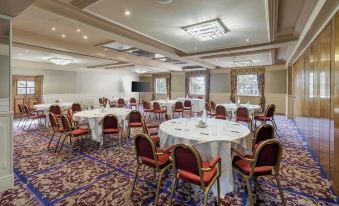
point(91, 177)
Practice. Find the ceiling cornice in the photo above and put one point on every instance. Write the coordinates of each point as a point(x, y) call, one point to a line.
point(273, 7)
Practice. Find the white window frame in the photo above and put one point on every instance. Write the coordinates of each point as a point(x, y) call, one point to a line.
point(202, 82)
point(251, 85)
point(157, 81)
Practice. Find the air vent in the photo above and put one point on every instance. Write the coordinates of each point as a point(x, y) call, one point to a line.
point(81, 4)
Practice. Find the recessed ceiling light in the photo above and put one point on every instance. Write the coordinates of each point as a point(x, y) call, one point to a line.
point(127, 13)
point(26, 51)
point(63, 35)
point(53, 28)
point(78, 30)
point(207, 30)
point(248, 39)
point(85, 37)
point(105, 49)
point(60, 61)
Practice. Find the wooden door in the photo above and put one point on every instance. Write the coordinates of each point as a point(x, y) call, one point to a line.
point(26, 90)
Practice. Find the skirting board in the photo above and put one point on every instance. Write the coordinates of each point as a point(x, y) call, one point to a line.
point(6, 182)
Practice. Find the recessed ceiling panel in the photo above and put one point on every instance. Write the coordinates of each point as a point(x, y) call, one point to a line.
point(256, 59)
point(245, 19)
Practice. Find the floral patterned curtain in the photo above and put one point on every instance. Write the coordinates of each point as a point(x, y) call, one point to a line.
point(168, 83)
point(205, 74)
point(260, 72)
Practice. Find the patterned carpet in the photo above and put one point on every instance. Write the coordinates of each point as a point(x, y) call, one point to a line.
point(104, 178)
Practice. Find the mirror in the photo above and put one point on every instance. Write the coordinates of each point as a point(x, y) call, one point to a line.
point(4, 64)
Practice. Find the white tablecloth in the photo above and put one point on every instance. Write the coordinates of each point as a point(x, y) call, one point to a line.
point(45, 107)
point(250, 107)
point(215, 140)
point(95, 116)
point(198, 104)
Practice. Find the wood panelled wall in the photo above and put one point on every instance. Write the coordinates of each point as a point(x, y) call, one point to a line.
point(316, 98)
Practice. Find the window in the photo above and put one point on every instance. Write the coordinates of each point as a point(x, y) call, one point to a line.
point(25, 87)
point(197, 85)
point(247, 85)
point(160, 86)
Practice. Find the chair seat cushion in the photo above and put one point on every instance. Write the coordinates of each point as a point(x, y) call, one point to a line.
point(134, 124)
point(148, 110)
point(195, 179)
point(163, 161)
point(261, 117)
point(111, 131)
point(245, 167)
point(211, 113)
point(160, 111)
point(220, 116)
point(79, 132)
point(178, 110)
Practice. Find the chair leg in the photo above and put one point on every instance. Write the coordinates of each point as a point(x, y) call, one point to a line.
point(134, 179)
point(62, 143)
point(205, 197)
point(275, 125)
point(56, 147)
point(280, 191)
point(175, 182)
point(159, 184)
point(218, 191)
point(50, 141)
point(119, 137)
point(248, 185)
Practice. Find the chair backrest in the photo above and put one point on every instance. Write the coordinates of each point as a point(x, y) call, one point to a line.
point(66, 123)
point(207, 107)
point(133, 100)
point(269, 112)
point(70, 113)
point(110, 121)
point(146, 104)
point(35, 103)
point(264, 132)
point(134, 116)
point(121, 102)
point(26, 109)
point(268, 153)
point(76, 107)
point(242, 112)
point(53, 121)
point(168, 117)
point(213, 105)
point(178, 105)
point(186, 158)
point(220, 111)
point(21, 110)
point(144, 126)
point(156, 106)
point(101, 101)
point(55, 109)
point(144, 146)
point(187, 103)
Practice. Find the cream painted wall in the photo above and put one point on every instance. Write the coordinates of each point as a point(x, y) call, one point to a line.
point(220, 88)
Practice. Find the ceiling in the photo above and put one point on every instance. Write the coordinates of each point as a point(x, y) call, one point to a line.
point(264, 32)
point(164, 22)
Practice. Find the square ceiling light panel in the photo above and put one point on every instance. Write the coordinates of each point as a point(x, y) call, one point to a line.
point(208, 30)
point(117, 46)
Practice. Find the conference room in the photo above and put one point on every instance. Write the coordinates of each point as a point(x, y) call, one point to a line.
point(169, 102)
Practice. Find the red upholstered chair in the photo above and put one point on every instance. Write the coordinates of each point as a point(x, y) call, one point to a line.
point(22, 114)
point(56, 128)
point(36, 115)
point(188, 106)
point(71, 132)
point(134, 120)
point(159, 110)
point(133, 103)
point(265, 161)
point(200, 97)
point(147, 108)
point(268, 115)
point(242, 115)
point(178, 107)
point(121, 102)
point(101, 101)
point(220, 112)
point(56, 110)
point(76, 107)
point(152, 134)
point(189, 167)
point(147, 154)
point(208, 109)
point(110, 125)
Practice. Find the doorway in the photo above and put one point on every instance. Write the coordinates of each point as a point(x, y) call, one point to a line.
point(26, 90)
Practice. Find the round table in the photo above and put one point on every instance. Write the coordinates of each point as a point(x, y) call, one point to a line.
point(198, 105)
point(214, 140)
point(233, 107)
point(45, 108)
point(94, 117)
